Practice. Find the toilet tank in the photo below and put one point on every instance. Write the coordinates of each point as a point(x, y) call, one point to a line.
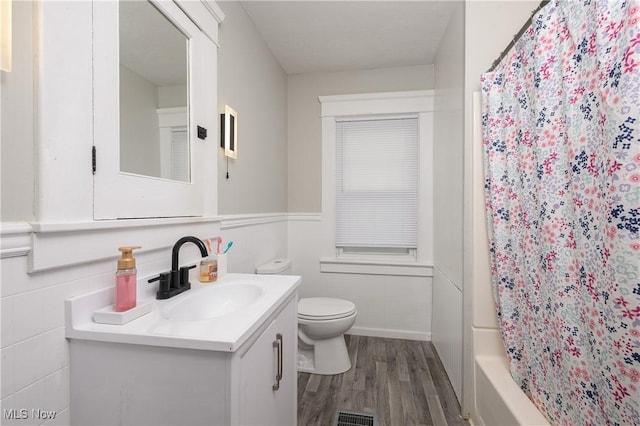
point(279, 266)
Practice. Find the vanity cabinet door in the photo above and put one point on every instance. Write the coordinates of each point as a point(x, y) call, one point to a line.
point(266, 398)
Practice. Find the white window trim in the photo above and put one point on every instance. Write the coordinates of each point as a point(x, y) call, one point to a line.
point(340, 106)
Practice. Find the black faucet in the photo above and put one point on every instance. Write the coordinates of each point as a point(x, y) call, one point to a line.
point(176, 281)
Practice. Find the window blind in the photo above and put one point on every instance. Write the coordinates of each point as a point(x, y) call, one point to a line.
point(377, 182)
point(180, 154)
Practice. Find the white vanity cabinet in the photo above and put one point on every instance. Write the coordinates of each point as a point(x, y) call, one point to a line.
point(268, 393)
point(114, 383)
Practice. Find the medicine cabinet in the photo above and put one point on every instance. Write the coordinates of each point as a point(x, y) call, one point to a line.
point(134, 175)
point(81, 193)
point(78, 101)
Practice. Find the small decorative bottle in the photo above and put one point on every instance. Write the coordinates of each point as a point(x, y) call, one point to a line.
point(126, 280)
point(209, 269)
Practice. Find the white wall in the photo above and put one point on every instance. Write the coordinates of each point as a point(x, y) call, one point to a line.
point(448, 197)
point(304, 129)
point(16, 169)
point(489, 27)
point(251, 81)
point(172, 96)
point(388, 306)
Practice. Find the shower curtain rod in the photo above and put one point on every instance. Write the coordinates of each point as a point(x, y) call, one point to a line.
point(517, 36)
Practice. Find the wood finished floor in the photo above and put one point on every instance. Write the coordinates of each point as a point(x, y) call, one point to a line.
point(401, 381)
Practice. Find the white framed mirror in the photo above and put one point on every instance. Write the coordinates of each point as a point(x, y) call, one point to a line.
point(154, 96)
point(150, 95)
point(77, 99)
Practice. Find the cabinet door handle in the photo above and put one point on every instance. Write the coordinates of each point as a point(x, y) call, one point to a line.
point(278, 345)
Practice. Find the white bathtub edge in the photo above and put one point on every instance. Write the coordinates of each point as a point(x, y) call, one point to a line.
point(498, 399)
point(496, 371)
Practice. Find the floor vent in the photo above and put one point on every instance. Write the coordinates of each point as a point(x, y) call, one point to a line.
point(352, 418)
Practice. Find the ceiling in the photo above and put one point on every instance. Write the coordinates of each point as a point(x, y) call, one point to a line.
point(305, 36)
point(323, 36)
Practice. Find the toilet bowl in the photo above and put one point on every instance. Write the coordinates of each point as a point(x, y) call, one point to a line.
point(322, 322)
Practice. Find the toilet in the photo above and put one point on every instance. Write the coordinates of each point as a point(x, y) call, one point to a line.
point(322, 322)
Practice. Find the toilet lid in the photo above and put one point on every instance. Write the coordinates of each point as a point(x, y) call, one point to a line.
point(315, 308)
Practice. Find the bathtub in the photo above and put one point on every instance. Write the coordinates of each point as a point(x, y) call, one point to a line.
point(499, 401)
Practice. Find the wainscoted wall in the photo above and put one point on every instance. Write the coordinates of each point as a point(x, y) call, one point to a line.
point(388, 306)
point(447, 327)
point(256, 240)
point(448, 197)
point(34, 352)
point(35, 359)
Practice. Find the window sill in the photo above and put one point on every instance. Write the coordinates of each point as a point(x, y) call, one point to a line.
point(375, 267)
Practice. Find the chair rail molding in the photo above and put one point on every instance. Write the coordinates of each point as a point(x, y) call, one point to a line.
point(97, 240)
point(15, 239)
point(241, 220)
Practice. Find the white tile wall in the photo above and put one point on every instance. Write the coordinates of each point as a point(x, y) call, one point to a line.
point(34, 358)
point(7, 385)
point(34, 354)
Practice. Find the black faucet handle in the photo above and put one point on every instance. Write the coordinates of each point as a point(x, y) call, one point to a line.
point(184, 275)
point(164, 282)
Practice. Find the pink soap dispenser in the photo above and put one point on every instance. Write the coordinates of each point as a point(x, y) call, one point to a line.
point(126, 280)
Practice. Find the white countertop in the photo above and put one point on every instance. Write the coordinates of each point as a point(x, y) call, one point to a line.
point(225, 333)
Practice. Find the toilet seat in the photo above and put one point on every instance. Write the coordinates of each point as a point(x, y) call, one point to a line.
point(324, 308)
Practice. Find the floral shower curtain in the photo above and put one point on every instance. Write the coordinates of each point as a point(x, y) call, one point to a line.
point(561, 133)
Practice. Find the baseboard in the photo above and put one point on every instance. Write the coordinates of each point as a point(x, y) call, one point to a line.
point(391, 334)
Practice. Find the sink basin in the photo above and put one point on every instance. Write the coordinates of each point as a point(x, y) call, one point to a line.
point(212, 302)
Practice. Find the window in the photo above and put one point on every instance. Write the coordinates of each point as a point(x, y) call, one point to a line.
point(377, 190)
point(377, 185)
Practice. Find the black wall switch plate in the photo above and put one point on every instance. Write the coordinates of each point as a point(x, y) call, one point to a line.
point(202, 133)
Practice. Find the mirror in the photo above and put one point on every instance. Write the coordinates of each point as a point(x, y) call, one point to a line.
point(154, 94)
